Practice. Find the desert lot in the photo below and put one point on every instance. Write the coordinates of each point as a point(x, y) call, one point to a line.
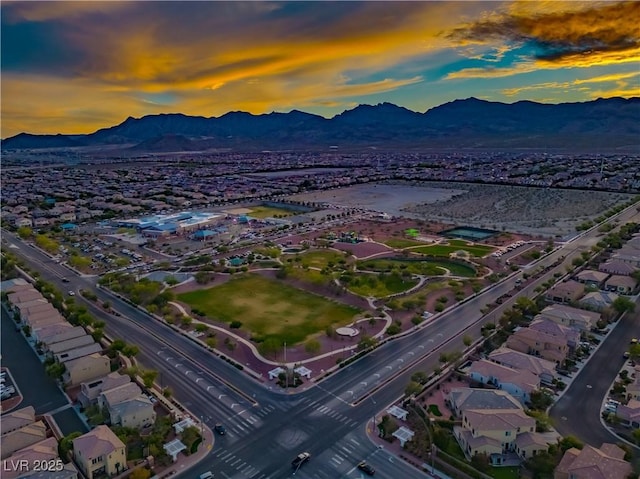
point(539, 211)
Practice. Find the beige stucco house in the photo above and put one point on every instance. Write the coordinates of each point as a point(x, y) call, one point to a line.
point(100, 452)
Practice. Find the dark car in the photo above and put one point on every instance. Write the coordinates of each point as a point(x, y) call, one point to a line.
point(220, 429)
point(366, 468)
point(65, 280)
point(300, 459)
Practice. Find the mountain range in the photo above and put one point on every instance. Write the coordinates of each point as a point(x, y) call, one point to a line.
point(612, 123)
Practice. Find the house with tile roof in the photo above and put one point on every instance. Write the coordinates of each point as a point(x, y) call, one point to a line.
point(565, 292)
point(629, 413)
point(545, 370)
point(25, 436)
point(617, 267)
point(459, 399)
point(86, 368)
point(38, 453)
point(598, 300)
point(573, 317)
point(591, 463)
point(539, 343)
point(91, 390)
point(14, 420)
point(100, 452)
point(544, 325)
point(620, 284)
point(495, 432)
point(136, 413)
point(519, 383)
point(592, 278)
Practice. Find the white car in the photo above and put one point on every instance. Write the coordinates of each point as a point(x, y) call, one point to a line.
point(71, 293)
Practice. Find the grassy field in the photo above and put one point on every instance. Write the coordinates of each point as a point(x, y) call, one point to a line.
point(426, 266)
point(269, 212)
point(314, 259)
point(378, 285)
point(401, 243)
point(452, 247)
point(269, 308)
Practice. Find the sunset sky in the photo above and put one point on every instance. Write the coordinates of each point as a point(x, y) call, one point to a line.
point(75, 67)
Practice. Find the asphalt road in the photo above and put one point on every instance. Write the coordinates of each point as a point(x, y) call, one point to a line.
point(266, 429)
point(577, 412)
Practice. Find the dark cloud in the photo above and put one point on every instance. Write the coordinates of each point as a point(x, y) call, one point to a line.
point(559, 35)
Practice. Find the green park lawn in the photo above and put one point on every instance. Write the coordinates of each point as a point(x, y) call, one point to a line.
point(401, 243)
point(314, 259)
point(423, 266)
point(269, 309)
point(452, 247)
point(378, 285)
point(269, 212)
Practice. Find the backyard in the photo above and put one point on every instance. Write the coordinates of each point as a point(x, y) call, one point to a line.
point(269, 309)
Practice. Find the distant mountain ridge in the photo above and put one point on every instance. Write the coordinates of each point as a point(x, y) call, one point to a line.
point(611, 122)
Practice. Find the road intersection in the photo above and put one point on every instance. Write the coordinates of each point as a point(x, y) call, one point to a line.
point(266, 429)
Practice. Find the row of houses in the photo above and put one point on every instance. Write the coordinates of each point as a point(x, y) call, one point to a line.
point(85, 364)
point(594, 290)
point(68, 345)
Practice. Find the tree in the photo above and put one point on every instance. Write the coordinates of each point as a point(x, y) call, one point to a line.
point(412, 388)
point(148, 377)
point(568, 442)
point(130, 350)
point(420, 377)
point(24, 232)
point(140, 473)
point(623, 304)
point(55, 370)
point(541, 465)
point(66, 445)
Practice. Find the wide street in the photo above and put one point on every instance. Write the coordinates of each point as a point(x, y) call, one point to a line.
point(267, 429)
point(577, 412)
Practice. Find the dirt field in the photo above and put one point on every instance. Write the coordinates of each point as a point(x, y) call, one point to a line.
point(537, 211)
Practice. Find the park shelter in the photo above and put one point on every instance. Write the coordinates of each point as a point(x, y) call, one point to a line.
point(173, 448)
point(302, 371)
point(398, 412)
point(182, 425)
point(274, 373)
point(403, 434)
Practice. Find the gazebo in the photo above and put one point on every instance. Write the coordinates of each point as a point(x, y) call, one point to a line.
point(403, 434)
point(302, 371)
point(274, 373)
point(182, 425)
point(173, 448)
point(398, 412)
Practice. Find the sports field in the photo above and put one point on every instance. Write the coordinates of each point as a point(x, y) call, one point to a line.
point(261, 212)
point(269, 308)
